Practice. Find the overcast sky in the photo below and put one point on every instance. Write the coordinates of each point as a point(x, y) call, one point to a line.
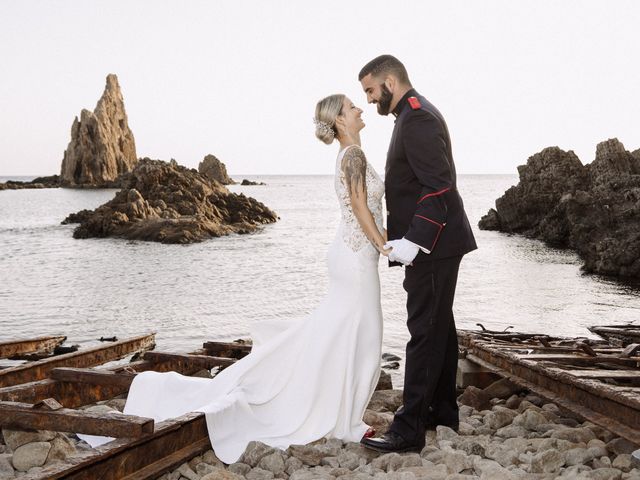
point(240, 79)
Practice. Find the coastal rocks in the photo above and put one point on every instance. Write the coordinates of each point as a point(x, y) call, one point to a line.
point(249, 182)
point(102, 146)
point(214, 169)
point(52, 181)
point(593, 209)
point(168, 203)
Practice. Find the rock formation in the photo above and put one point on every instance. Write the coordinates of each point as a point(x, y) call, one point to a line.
point(214, 169)
point(249, 182)
point(52, 181)
point(102, 146)
point(593, 209)
point(165, 202)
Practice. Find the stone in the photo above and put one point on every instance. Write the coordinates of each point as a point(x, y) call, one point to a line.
point(602, 462)
point(310, 475)
point(388, 462)
point(512, 431)
point(465, 429)
point(273, 462)
point(502, 388)
point(379, 421)
point(168, 203)
point(622, 462)
point(513, 402)
point(384, 382)
point(575, 435)
point(474, 397)
point(529, 419)
point(457, 461)
point(348, 460)
point(293, 464)
point(30, 455)
point(548, 461)
point(6, 468)
point(603, 474)
point(210, 457)
point(17, 438)
point(187, 473)
point(102, 147)
point(307, 454)
point(254, 453)
point(214, 169)
point(385, 401)
point(592, 209)
point(445, 433)
point(438, 472)
point(259, 474)
point(203, 468)
point(619, 446)
point(578, 456)
point(241, 468)
point(491, 470)
point(222, 474)
point(499, 417)
point(61, 449)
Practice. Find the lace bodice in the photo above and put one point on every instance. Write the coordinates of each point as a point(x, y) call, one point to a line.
point(350, 230)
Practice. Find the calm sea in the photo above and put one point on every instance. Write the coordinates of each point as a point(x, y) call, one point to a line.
point(53, 284)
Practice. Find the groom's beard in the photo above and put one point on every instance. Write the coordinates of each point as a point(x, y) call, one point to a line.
point(384, 104)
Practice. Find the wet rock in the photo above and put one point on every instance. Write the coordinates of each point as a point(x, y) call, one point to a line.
point(30, 455)
point(16, 438)
point(214, 169)
point(102, 147)
point(165, 202)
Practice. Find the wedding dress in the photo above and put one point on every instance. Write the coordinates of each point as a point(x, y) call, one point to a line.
point(303, 380)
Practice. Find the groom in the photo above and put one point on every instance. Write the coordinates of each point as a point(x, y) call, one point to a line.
point(429, 233)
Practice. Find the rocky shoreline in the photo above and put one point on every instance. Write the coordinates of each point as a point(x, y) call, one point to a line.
point(52, 181)
point(168, 203)
point(593, 209)
point(504, 434)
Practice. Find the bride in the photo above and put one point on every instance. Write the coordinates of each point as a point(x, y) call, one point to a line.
point(315, 377)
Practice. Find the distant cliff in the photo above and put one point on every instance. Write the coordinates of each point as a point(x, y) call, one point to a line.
point(102, 146)
point(593, 209)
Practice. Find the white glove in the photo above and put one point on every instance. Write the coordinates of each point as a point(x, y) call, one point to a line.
point(403, 251)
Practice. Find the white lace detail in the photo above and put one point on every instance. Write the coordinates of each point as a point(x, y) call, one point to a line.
point(352, 233)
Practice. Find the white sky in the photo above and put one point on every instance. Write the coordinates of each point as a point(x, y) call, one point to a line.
point(240, 79)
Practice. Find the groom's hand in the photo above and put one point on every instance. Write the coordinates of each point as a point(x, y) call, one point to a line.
point(403, 251)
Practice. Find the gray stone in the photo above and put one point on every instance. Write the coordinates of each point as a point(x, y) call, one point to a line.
point(502, 388)
point(385, 401)
point(222, 474)
point(259, 474)
point(309, 455)
point(465, 429)
point(348, 460)
point(61, 449)
point(254, 453)
point(330, 461)
point(575, 435)
point(474, 397)
point(457, 461)
point(529, 419)
point(310, 475)
point(622, 462)
point(603, 474)
point(30, 455)
point(203, 468)
point(388, 462)
point(578, 456)
point(619, 446)
point(186, 472)
point(210, 457)
point(512, 431)
point(548, 461)
point(273, 462)
point(513, 402)
point(292, 464)
point(17, 438)
point(437, 472)
point(242, 468)
point(445, 433)
point(602, 462)
point(499, 417)
point(6, 468)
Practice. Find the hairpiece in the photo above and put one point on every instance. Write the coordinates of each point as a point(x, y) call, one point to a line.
point(324, 128)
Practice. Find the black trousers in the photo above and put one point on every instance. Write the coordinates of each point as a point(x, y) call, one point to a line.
point(432, 352)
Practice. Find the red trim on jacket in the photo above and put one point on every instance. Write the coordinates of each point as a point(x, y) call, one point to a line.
point(435, 194)
point(429, 220)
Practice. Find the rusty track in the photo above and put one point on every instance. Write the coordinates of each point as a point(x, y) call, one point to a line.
point(29, 345)
point(597, 383)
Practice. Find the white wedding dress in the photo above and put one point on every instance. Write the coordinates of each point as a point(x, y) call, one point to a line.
point(304, 379)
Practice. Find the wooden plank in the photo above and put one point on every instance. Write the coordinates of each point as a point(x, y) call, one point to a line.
point(578, 359)
point(124, 458)
point(92, 376)
point(83, 358)
point(604, 374)
point(29, 345)
point(227, 349)
point(24, 416)
point(203, 361)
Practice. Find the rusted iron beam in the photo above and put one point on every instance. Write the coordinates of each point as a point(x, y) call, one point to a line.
point(172, 443)
point(25, 416)
point(203, 361)
point(101, 377)
point(227, 349)
point(29, 345)
point(84, 358)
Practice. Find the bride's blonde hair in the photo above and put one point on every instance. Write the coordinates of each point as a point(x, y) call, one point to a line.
point(327, 110)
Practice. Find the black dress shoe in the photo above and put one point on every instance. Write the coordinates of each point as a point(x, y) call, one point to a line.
point(390, 442)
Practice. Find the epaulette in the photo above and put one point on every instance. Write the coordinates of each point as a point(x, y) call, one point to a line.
point(414, 103)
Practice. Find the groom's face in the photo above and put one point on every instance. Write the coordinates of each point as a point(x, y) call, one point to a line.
point(377, 93)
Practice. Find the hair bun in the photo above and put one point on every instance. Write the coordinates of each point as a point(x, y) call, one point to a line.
point(324, 132)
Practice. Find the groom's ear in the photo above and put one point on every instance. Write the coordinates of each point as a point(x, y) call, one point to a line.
point(390, 83)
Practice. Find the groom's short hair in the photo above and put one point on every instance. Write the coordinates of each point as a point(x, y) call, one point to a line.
point(385, 64)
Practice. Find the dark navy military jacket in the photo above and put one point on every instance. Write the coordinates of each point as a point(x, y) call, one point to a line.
point(423, 203)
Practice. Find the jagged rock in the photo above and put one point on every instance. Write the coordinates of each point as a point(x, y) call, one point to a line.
point(102, 146)
point(593, 209)
point(214, 169)
point(254, 452)
point(474, 397)
point(249, 182)
point(274, 462)
point(165, 202)
point(385, 400)
point(384, 382)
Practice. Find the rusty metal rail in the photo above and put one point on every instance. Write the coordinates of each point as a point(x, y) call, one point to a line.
point(601, 387)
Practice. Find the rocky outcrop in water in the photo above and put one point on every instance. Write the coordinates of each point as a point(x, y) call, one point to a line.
point(214, 169)
point(593, 209)
point(52, 181)
point(102, 146)
point(168, 203)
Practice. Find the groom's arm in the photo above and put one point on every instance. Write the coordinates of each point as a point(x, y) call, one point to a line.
point(425, 146)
